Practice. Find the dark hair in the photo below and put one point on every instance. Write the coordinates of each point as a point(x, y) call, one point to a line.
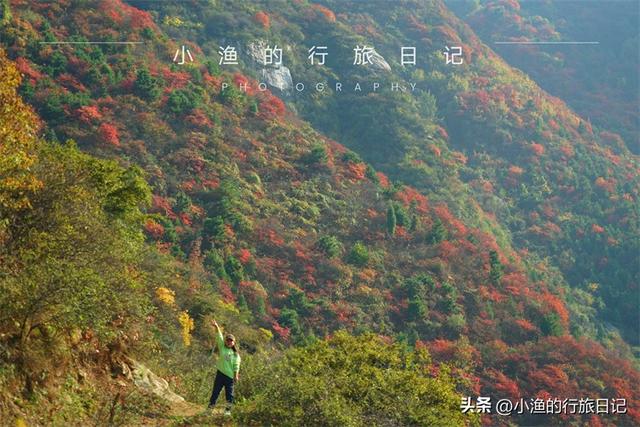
point(233, 347)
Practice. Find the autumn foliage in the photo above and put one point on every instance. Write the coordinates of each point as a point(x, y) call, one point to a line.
point(109, 134)
point(325, 12)
point(263, 19)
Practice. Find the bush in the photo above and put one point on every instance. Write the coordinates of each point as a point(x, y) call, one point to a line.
point(182, 101)
point(551, 325)
point(330, 245)
point(146, 86)
point(317, 155)
point(359, 255)
point(438, 232)
point(348, 381)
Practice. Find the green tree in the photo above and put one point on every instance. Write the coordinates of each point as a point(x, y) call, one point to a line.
point(417, 309)
point(69, 260)
point(359, 255)
point(234, 269)
point(146, 86)
point(438, 232)
point(290, 318)
point(5, 12)
point(298, 301)
point(183, 202)
point(551, 325)
point(182, 101)
point(317, 155)
point(214, 228)
point(391, 220)
point(496, 268)
point(401, 215)
point(330, 245)
point(214, 262)
point(232, 96)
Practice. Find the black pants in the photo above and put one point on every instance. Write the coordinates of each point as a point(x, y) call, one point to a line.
point(222, 381)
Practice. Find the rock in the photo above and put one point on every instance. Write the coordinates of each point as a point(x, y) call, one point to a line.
point(378, 62)
point(277, 76)
point(150, 382)
point(255, 50)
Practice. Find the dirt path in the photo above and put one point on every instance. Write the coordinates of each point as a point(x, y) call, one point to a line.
point(174, 409)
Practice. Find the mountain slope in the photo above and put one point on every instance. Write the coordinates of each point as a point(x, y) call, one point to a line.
point(279, 227)
point(481, 133)
point(599, 81)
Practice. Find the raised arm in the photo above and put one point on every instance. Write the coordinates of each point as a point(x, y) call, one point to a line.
point(219, 339)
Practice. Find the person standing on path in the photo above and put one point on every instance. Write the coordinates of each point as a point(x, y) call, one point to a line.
point(228, 368)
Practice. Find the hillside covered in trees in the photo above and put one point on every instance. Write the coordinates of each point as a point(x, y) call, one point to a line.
point(383, 254)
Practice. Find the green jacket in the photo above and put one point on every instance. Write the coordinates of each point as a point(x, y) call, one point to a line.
point(228, 360)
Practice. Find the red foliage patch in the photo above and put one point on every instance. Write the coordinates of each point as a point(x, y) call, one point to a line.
point(199, 119)
point(272, 107)
point(525, 325)
point(447, 250)
point(357, 171)
point(226, 292)
point(160, 204)
point(271, 236)
point(244, 255)
point(607, 185)
point(442, 349)
point(244, 83)
point(124, 14)
point(324, 11)
point(68, 81)
point(442, 211)
point(382, 178)
point(283, 332)
point(409, 195)
point(554, 303)
point(503, 386)
point(88, 114)
point(25, 68)
point(185, 218)
point(263, 19)
point(537, 149)
point(109, 134)
point(442, 133)
point(515, 170)
point(175, 79)
point(154, 229)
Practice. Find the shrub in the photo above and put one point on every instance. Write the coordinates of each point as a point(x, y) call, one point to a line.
point(330, 245)
point(438, 232)
point(182, 101)
point(146, 86)
point(317, 155)
point(359, 255)
point(348, 381)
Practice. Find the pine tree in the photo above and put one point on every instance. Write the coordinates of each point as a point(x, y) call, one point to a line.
point(146, 86)
point(391, 220)
point(495, 274)
point(438, 232)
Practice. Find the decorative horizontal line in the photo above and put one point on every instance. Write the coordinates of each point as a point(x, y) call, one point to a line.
point(529, 42)
point(91, 42)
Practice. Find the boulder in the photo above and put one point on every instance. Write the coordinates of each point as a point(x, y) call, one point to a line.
point(277, 76)
point(148, 381)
